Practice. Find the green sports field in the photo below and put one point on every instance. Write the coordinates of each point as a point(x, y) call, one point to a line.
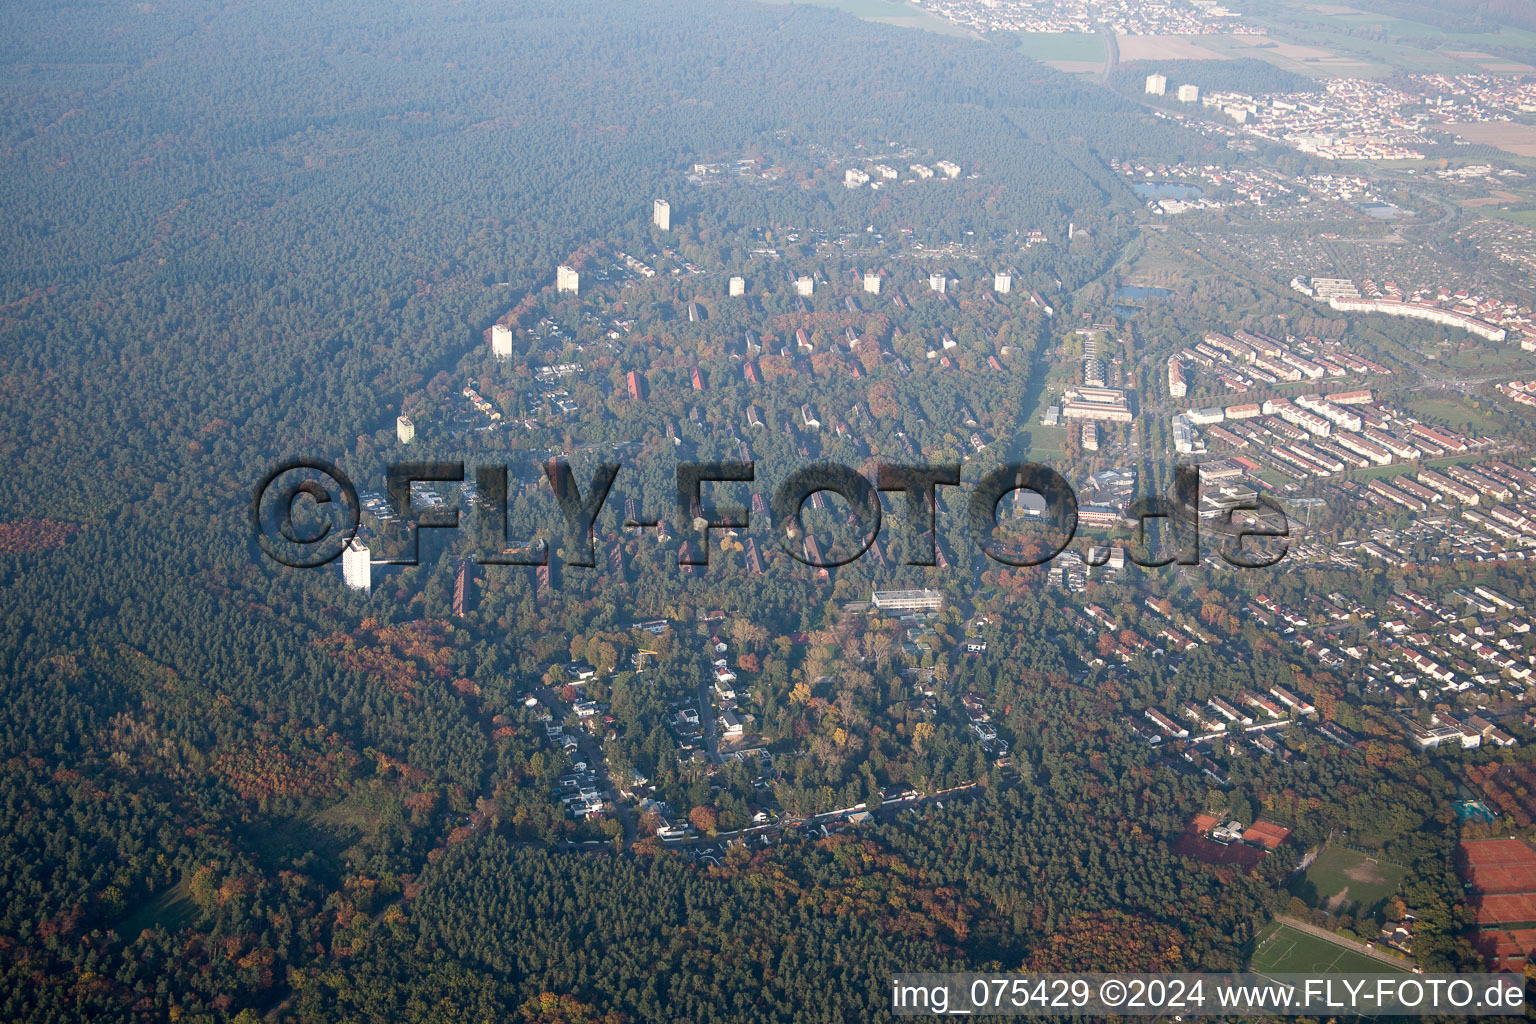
point(1344, 877)
point(1281, 949)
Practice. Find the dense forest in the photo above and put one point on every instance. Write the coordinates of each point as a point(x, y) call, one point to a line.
point(229, 790)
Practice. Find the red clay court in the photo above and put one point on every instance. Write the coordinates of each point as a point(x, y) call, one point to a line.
point(1506, 950)
point(1194, 844)
point(1503, 877)
point(1504, 908)
point(1265, 833)
point(1500, 866)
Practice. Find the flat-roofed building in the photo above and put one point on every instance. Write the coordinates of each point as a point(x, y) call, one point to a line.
point(1445, 485)
point(907, 600)
point(1325, 288)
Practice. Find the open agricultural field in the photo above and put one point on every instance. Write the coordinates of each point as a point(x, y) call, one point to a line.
point(1333, 39)
point(888, 12)
point(1166, 48)
point(1519, 139)
point(1054, 47)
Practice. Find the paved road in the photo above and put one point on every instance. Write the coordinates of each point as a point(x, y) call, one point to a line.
point(888, 810)
point(1111, 52)
point(707, 720)
point(591, 751)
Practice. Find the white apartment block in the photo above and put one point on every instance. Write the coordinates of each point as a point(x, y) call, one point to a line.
point(501, 341)
point(357, 565)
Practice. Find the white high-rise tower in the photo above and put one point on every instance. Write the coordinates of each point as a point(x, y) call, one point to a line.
point(501, 341)
point(1002, 283)
point(567, 280)
point(357, 565)
point(1156, 85)
point(661, 214)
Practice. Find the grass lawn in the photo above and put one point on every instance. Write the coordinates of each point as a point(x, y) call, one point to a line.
point(1157, 266)
point(1477, 357)
point(1340, 877)
point(171, 909)
point(1399, 468)
point(1524, 216)
point(1281, 949)
point(1456, 412)
point(1046, 441)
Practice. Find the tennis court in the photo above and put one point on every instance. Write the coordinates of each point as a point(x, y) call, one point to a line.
point(1499, 865)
